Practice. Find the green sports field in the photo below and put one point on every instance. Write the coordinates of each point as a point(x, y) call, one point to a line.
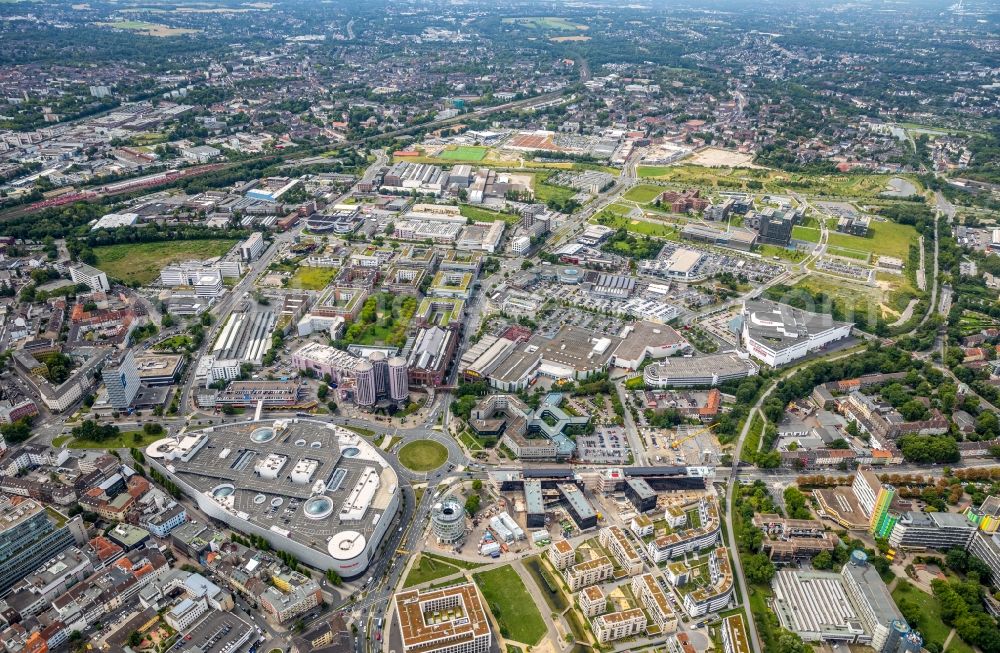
point(464, 153)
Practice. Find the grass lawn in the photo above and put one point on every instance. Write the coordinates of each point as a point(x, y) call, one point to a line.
point(806, 233)
point(769, 251)
point(361, 431)
point(545, 192)
point(427, 569)
point(643, 193)
point(485, 215)
point(844, 185)
point(512, 606)
point(125, 440)
point(847, 253)
point(142, 262)
point(58, 441)
point(929, 621)
point(423, 455)
point(884, 238)
point(454, 562)
point(663, 230)
point(565, 165)
point(618, 209)
point(309, 278)
point(464, 153)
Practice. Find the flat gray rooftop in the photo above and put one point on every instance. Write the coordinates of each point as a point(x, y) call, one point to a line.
point(227, 467)
point(782, 326)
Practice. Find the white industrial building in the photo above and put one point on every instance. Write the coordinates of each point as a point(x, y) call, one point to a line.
point(115, 220)
point(252, 247)
point(778, 334)
point(92, 277)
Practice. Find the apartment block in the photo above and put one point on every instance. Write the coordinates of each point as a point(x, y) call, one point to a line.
point(587, 573)
point(619, 625)
point(592, 601)
point(647, 589)
point(561, 554)
point(717, 595)
point(614, 539)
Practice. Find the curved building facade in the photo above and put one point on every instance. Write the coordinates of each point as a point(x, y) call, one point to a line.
point(448, 520)
point(364, 384)
point(330, 505)
point(380, 367)
point(399, 382)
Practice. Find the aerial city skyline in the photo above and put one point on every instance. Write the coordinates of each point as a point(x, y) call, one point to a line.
point(468, 327)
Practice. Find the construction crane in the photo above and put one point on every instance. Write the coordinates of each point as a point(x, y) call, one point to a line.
point(677, 443)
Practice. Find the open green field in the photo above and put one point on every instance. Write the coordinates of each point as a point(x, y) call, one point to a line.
point(918, 128)
point(856, 254)
point(845, 185)
point(148, 138)
point(544, 22)
point(643, 193)
point(770, 251)
point(124, 440)
point(928, 620)
point(309, 278)
point(149, 29)
point(567, 165)
point(423, 455)
point(545, 192)
point(861, 298)
point(142, 262)
point(464, 153)
point(511, 605)
point(485, 215)
point(663, 230)
point(428, 568)
point(884, 238)
point(618, 209)
point(806, 233)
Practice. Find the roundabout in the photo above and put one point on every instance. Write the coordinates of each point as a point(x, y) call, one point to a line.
point(422, 455)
